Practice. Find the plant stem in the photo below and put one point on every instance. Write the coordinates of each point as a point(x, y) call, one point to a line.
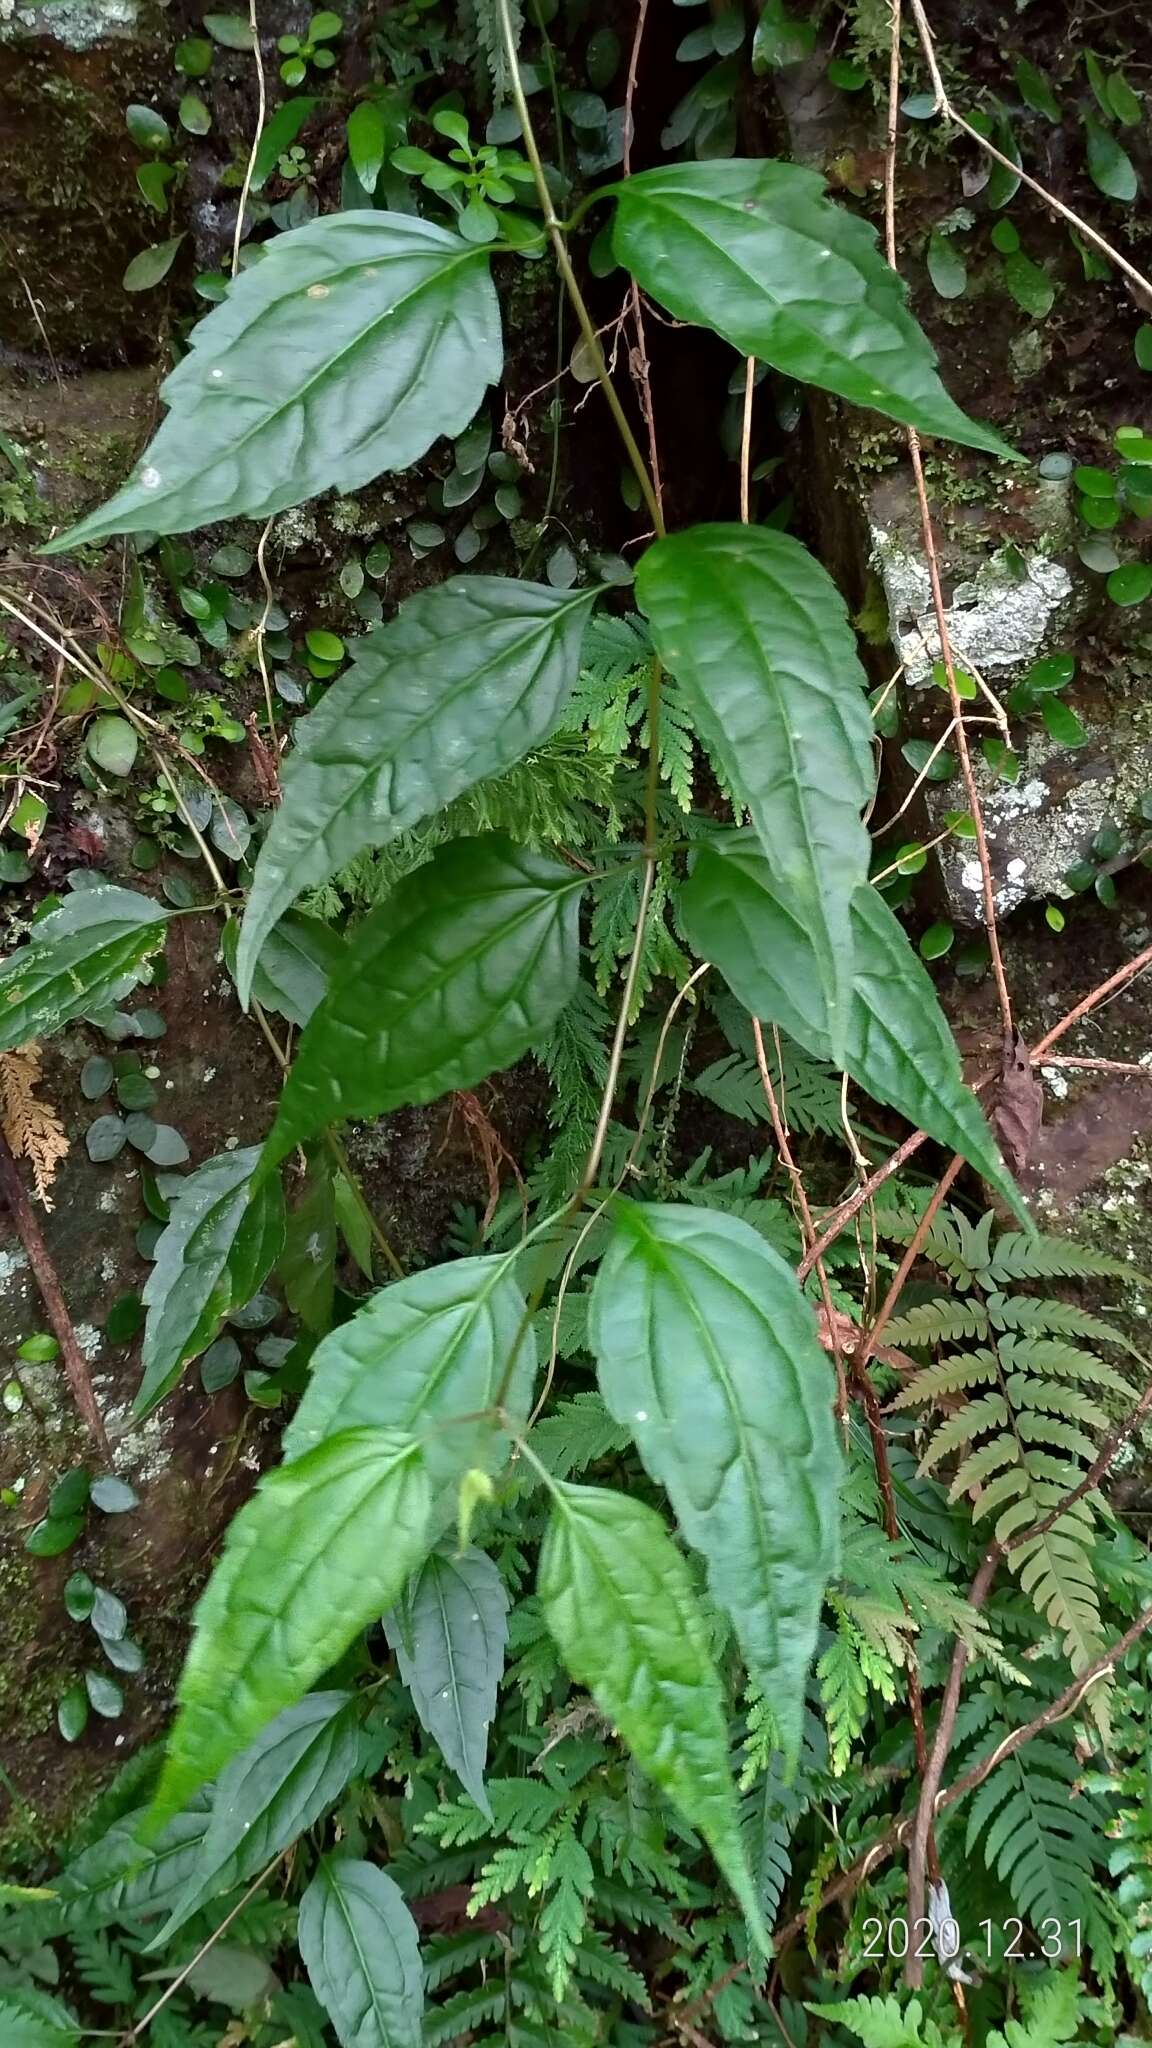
point(44, 1272)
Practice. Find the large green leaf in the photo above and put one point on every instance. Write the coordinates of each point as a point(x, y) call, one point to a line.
point(348, 349)
point(322, 1548)
point(707, 1352)
point(223, 1236)
point(754, 250)
point(900, 1050)
point(296, 963)
point(270, 1794)
point(120, 1877)
point(458, 686)
point(758, 637)
point(362, 1955)
point(617, 1595)
point(430, 1347)
point(449, 1635)
point(78, 960)
point(466, 965)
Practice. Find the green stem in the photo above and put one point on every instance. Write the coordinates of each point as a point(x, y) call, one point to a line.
point(334, 1147)
point(564, 266)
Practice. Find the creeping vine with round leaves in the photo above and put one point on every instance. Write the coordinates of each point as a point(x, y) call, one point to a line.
point(358, 341)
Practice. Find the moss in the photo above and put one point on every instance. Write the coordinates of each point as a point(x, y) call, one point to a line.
point(1117, 1218)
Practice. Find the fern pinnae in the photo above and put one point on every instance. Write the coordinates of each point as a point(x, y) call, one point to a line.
point(938, 1322)
point(949, 1376)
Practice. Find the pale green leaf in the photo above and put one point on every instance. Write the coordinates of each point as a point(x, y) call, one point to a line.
point(322, 1548)
point(466, 965)
point(754, 250)
point(360, 1949)
point(78, 960)
point(430, 1347)
point(758, 637)
point(355, 343)
point(449, 1636)
point(296, 1768)
point(707, 1352)
point(900, 1049)
point(617, 1596)
point(222, 1239)
point(460, 685)
point(367, 143)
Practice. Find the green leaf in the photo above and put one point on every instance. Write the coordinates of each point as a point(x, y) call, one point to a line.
point(1036, 90)
point(361, 1951)
point(1061, 723)
point(297, 961)
point(322, 1548)
point(193, 115)
point(460, 685)
point(121, 1878)
point(355, 342)
point(111, 742)
point(233, 31)
point(1109, 166)
point(754, 250)
point(367, 142)
point(1030, 286)
point(899, 1049)
point(278, 134)
point(276, 1788)
point(707, 1352)
point(449, 1635)
point(1130, 584)
point(466, 965)
point(307, 1265)
point(946, 266)
point(148, 129)
point(617, 1595)
point(31, 2019)
point(432, 1346)
point(758, 637)
point(222, 1239)
point(80, 959)
point(149, 268)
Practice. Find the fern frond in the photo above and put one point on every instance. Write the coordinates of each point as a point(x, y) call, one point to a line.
point(1018, 1256)
point(949, 1376)
point(602, 1964)
point(103, 1967)
point(1051, 1355)
point(32, 1127)
point(578, 1433)
point(1024, 1312)
point(938, 1322)
point(1037, 1833)
point(883, 2023)
point(449, 1955)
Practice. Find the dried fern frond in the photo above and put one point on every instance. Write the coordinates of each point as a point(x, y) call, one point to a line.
point(32, 1127)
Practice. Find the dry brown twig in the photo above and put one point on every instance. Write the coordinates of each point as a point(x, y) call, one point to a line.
point(45, 1275)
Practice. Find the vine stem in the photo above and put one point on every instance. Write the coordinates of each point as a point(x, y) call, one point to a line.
point(948, 112)
point(261, 111)
point(134, 2033)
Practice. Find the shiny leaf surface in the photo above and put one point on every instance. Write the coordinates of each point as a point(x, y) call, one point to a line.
point(78, 960)
point(466, 965)
point(463, 682)
point(708, 1354)
point(355, 343)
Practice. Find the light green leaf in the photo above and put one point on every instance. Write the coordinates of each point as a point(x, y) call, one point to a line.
point(449, 1636)
point(1109, 165)
point(707, 1352)
point(149, 268)
point(367, 142)
point(78, 960)
point(430, 1347)
point(468, 963)
point(362, 1955)
point(296, 962)
point(899, 1050)
point(754, 250)
point(282, 1783)
point(460, 685)
point(355, 342)
point(758, 637)
point(278, 134)
point(111, 743)
point(322, 1548)
point(233, 31)
point(31, 2019)
point(122, 1878)
point(222, 1239)
point(617, 1596)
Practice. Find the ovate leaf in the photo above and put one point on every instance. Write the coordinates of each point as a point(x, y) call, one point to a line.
point(708, 1354)
point(296, 1768)
point(616, 1594)
point(362, 1955)
point(430, 1347)
point(757, 635)
point(899, 1049)
point(79, 959)
point(322, 1548)
point(449, 1636)
point(222, 1239)
point(468, 963)
point(348, 349)
point(754, 250)
point(459, 686)
point(1109, 165)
